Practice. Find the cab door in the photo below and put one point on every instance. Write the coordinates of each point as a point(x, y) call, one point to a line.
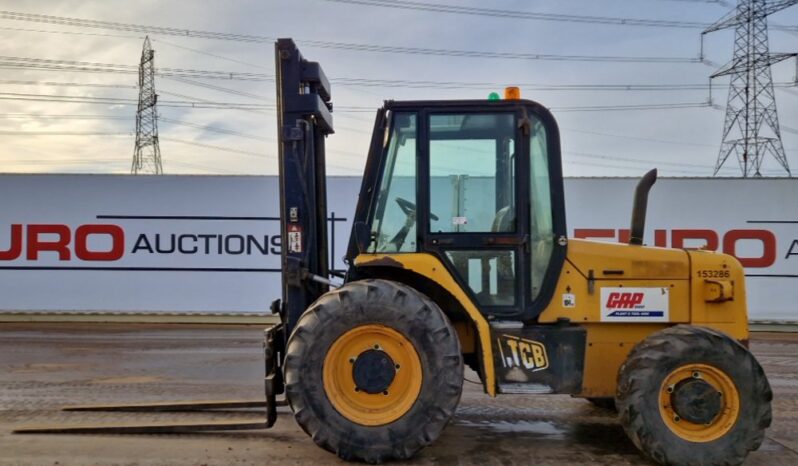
point(470, 183)
point(491, 185)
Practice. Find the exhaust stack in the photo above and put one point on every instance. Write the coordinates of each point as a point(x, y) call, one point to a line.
point(639, 207)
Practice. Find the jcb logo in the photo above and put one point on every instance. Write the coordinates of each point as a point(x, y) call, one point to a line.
point(624, 300)
point(519, 352)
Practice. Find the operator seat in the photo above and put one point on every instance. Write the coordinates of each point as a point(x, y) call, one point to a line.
point(504, 221)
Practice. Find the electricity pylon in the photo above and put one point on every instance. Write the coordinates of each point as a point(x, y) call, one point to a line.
point(751, 129)
point(147, 153)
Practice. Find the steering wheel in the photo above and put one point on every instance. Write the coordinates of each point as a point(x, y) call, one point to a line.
point(410, 209)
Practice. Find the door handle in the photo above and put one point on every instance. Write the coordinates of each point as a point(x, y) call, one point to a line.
point(507, 240)
point(443, 241)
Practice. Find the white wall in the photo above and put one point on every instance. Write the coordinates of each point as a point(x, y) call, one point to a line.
point(235, 207)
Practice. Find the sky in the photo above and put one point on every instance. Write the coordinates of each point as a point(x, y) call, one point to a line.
point(40, 135)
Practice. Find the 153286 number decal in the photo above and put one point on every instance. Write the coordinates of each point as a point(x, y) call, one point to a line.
point(713, 273)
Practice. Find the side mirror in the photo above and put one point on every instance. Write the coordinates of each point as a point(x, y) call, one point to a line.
point(362, 236)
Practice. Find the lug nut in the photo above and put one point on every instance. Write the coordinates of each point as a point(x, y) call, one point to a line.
point(397, 367)
point(676, 418)
point(696, 375)
point(669, 389)
point(385, 393)
point(351, 360)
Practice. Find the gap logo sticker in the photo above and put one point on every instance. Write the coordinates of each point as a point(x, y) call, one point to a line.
point(523, 353)
point(634, 304)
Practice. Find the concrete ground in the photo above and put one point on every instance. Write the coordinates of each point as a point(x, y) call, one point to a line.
point(43, 367)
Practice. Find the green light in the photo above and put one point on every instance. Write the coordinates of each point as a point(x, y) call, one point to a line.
point(494, 96)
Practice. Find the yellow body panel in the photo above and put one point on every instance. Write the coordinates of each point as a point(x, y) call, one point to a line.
point(636, 262)
point(618, 265)
point(704, 288)
point(714, 275)
point(429, 266)
point(605, 350)
point(609, 343)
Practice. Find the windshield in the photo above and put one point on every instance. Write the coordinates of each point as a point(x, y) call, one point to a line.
point(393, 225)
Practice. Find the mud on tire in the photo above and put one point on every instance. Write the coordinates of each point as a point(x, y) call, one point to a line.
point(640, 380)
point(421, 322)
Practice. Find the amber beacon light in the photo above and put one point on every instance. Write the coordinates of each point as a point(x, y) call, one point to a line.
point(512, 93)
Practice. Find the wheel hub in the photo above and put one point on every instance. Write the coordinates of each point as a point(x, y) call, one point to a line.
point(696, 401)
point(699, 402)
point(372, 375)
point(373, 371)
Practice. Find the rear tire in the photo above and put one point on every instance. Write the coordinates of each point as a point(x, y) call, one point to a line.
point(378, 317)
point(692, 395)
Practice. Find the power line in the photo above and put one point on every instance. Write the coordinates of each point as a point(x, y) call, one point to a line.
point(220, 148)
point(526, 15)
point(71, 33)
point(63, 133)
point(214, 129)
point(39, 116)
point(714, 2)
point(209, 54)
point(415, 84)
point(708, 168)
point(341, 108)
point(637, 138)
point(95, 67)
point(606, 108)
point(15, 82)
point(241, 152)
point(490, 54)
point(183, 75)
point(217, 88)
point(519, 14)
point(126, 101)
point(358, 47)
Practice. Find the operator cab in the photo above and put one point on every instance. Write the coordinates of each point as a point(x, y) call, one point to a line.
point(476, 183)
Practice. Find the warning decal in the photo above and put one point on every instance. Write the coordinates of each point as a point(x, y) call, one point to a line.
point(294, 238)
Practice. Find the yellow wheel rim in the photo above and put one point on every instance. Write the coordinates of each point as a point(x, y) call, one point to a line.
point(357, 405)
point(721, 424)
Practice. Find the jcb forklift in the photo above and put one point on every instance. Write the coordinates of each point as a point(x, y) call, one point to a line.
point(459, 256)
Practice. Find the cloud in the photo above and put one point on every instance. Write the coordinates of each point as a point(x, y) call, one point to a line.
point(39, 148)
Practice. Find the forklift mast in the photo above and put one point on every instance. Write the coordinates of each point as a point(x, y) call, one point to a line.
point(304, 119)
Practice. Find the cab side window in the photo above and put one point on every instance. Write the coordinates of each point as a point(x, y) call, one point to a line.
point(472, 176)
point(541, 232)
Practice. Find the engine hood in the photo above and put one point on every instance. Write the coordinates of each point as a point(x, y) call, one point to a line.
point(623, 261)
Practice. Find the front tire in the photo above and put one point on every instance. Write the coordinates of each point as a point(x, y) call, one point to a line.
point(692, 395)
point(373, 371)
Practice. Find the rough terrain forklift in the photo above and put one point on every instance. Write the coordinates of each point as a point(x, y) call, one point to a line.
point(459, 257)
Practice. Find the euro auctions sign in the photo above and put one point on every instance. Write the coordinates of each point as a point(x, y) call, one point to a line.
point(212, 243)
point(142, 243)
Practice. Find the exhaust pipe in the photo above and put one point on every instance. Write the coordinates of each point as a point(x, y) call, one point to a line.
point(639, 207)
